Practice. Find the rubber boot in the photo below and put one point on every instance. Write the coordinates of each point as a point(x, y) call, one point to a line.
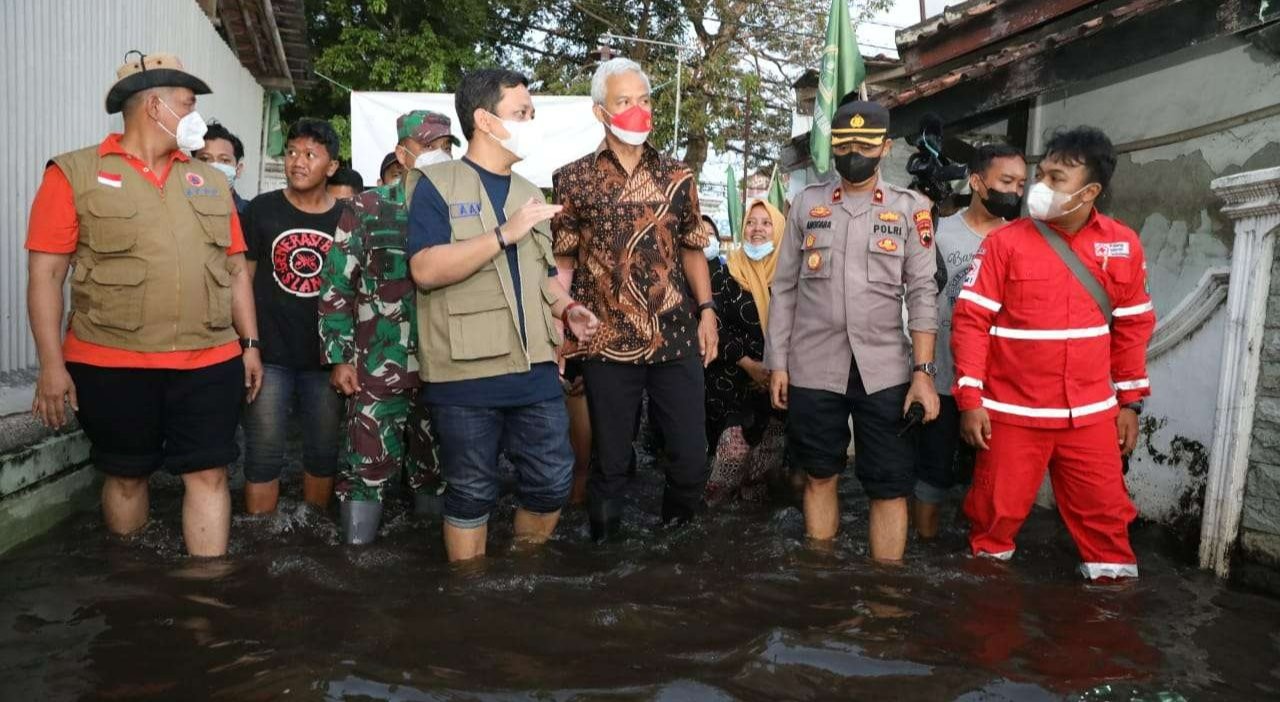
point(606, 519)
point(428, 504)
point(359, 521)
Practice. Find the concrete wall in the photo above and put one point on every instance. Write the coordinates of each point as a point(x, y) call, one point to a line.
point(1260, 519)
point(1163, 192)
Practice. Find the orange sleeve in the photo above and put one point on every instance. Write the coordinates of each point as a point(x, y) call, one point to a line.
point(237, 235)
point(54, 227)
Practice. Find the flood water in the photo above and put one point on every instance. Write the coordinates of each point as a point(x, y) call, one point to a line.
point(735, 607)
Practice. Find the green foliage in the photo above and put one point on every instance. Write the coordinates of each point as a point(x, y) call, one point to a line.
point(393, 45)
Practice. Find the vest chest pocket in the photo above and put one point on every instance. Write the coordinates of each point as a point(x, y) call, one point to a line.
point(215, 218)
point(110, 225)
point(815, 256)
point(479, 324)
point(218, 287)
point(114, 289)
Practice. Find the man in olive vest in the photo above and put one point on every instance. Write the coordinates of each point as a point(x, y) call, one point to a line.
point(161, 304)
point(480, 252)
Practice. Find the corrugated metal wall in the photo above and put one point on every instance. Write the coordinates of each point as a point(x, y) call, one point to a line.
point(58, 59)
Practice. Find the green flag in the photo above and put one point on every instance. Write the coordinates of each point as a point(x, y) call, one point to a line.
point(777, 196)
point(734, 202)
point(275, 129)
point(841, 73)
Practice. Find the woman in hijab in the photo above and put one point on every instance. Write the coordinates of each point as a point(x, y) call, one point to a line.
point(742, 429)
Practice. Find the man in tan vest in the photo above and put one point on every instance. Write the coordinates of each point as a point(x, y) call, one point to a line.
point(480, 252)
point(161, 304)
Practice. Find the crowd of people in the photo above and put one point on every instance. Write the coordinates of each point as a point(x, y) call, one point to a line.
point(452, 324)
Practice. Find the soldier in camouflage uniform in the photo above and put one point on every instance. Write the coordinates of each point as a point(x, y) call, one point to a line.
point(368, 328)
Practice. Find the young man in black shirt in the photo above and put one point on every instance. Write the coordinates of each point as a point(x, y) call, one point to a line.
point(289, 232)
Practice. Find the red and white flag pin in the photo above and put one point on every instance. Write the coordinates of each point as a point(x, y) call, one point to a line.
point(114, 180)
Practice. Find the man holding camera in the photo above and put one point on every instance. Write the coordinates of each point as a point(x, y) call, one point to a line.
point(852, 253)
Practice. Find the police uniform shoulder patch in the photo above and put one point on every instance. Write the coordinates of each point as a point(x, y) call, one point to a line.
point(924, 227)
point(837, 195)
point(878, 196)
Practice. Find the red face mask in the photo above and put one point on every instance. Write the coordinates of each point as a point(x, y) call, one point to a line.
point(632, 125)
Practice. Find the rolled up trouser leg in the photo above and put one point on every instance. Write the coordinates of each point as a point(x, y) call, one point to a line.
point(374, 446)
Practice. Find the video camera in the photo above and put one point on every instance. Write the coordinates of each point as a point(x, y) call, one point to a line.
point(931, 171)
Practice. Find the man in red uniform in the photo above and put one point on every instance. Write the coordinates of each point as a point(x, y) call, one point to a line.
point(1041, 379)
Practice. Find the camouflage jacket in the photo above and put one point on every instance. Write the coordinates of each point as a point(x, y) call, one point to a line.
point(367, 314)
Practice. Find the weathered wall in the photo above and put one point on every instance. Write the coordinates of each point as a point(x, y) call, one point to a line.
point(1163, 192)
point(1260, 519)
point(60, 58)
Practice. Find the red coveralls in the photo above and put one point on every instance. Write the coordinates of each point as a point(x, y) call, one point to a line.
point(1032, 347)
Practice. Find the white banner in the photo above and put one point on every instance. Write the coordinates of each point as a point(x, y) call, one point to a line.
point(570, 130)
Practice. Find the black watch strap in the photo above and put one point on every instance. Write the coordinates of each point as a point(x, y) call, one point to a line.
point(708, 305)
point(1135, 406)
point(250, 343)
point(929, 368)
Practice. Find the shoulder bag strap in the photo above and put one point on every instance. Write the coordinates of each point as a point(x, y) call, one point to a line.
point(1077, 268)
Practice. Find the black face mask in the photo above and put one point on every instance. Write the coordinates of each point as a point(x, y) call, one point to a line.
point(1004, 205)
point(856, 168)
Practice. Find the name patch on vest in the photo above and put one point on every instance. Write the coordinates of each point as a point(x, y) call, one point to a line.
point(200, 192)
point(890, 229)
point(459, 210)
point(817, 224)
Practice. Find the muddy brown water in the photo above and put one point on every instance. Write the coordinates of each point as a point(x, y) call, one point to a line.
point(735, 607)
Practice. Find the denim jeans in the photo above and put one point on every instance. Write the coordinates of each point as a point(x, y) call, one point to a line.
point(535, 438)
point(307, 395)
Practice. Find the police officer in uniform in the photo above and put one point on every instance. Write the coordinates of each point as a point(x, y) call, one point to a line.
point(853, 252)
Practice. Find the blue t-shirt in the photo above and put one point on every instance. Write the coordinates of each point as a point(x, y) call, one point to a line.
point(429, 226)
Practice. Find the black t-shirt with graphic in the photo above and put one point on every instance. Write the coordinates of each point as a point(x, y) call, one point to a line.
point(289, 246)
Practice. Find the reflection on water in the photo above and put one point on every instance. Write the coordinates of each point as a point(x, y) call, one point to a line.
point(734, 607)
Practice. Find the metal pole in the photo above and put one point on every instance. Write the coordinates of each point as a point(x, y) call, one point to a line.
point(675, 139)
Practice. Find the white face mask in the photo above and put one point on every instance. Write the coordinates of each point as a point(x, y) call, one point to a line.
point(429, 158)
point(524, 136)
point(227, 170)
point(758, 252)
point(191, 129)
point(1045, 204)
point(712, 249)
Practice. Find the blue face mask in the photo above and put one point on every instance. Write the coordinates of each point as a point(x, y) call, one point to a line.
point(712, 249)
point(757, 252)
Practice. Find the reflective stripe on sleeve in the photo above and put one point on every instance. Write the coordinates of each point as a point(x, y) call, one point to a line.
point(1131, 311)
point(979, 300)
point(967, 382)
point(1133, 384)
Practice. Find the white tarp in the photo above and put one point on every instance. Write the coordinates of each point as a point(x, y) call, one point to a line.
point(570, 130)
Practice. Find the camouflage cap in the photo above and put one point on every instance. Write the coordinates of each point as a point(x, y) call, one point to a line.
point(424, 127)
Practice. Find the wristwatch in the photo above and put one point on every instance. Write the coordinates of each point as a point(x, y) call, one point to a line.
point(929, 368)
point(708, 305)
point(1135, 406)
point(250, 343)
